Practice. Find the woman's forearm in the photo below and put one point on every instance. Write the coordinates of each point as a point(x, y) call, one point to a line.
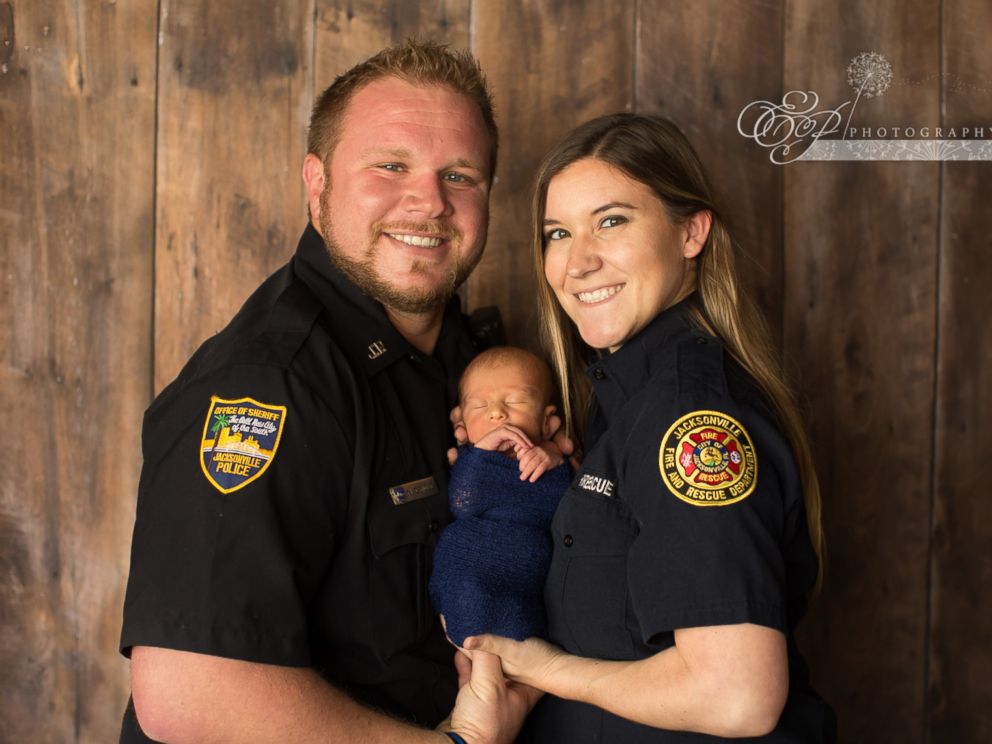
point(722, 680)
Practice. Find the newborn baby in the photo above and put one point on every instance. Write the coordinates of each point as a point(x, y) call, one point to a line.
point(490, 563)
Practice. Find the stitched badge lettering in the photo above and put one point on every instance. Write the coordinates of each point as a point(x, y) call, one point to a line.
point(240, 439)
point(596, 484)
point(707, 458)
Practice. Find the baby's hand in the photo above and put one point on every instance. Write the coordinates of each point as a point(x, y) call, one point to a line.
point(504, 439)
point(538, 460)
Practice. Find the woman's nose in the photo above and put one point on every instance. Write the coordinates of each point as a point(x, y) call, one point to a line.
point(583, 258)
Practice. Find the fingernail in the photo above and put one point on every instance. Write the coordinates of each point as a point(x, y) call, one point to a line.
point(469, 643)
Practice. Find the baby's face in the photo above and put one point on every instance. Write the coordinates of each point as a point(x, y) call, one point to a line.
point(504, 393)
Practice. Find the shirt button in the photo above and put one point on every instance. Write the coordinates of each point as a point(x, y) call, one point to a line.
point(598, 374)
point(432, 525)
point(568, 541)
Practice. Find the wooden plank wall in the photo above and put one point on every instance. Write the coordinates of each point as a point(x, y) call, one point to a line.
point(77, 91)
point(149, 179)
point(860, 309)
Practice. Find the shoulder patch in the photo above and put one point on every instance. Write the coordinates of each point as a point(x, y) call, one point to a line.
point(240, 439)
point(707, 458)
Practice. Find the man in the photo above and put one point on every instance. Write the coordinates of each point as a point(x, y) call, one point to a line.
point(294, 474)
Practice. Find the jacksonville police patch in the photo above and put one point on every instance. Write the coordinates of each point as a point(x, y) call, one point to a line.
point(240, 439)
point(707, 459)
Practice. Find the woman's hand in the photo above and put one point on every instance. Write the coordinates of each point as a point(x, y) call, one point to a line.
point(745, 666)
point(534, 662)
point(489, 708)
point(560, 440)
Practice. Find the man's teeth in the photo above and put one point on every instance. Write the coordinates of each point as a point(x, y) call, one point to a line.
point(600, 294)
point(417, 240)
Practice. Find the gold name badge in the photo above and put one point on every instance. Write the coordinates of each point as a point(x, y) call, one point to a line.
point(414, 490)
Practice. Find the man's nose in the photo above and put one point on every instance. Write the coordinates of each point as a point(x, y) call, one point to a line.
point(426, 197)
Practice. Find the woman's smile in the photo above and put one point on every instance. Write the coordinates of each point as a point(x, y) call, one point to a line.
point(597, 296)
point(612, 255)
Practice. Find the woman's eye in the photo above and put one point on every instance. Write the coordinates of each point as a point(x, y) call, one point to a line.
point(556, 234)
point(612, 221)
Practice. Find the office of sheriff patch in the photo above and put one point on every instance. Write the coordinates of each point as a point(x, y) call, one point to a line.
point(240, 440)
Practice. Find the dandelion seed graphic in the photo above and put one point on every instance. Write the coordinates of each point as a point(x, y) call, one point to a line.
point(870, 74)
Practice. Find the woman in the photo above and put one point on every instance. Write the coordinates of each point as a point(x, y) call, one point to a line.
point(689, 540)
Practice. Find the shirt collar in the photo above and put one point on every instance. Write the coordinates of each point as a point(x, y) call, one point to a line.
point(359, 321)
point(618, 376)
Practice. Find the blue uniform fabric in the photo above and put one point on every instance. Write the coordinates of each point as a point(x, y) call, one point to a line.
point(491, 562)
point(633, 561)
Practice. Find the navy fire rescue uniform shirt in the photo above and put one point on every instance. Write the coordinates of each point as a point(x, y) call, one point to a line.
point(687, 512)
point(293, 486)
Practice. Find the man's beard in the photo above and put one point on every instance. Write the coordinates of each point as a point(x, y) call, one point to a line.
point(364, 273)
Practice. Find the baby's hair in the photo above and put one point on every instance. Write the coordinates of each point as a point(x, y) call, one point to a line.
point(498, 355)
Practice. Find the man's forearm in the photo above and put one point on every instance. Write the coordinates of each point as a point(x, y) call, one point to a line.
point(181, 696)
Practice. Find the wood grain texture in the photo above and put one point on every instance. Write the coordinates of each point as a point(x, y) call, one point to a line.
point(235, 88)
point(552, 65)
point(77, 121)
point(859, 314)
point(960, 696)
point(701, 75)
point(348, 32)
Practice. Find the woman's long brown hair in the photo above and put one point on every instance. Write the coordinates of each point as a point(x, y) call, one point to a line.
point(654, 152)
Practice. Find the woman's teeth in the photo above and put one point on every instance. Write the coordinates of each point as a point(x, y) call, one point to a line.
point(600, 294)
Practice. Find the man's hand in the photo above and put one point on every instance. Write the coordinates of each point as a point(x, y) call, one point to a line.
point(489, 708)
point(461, 435)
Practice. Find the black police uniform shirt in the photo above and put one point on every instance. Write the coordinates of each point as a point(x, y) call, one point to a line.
point(687, 512)
point(294, 482)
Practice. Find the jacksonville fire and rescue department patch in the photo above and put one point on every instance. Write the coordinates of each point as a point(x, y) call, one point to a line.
point(707, 459)
point(240, 439)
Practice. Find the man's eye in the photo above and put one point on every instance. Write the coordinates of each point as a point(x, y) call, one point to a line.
point(457, 178)
point(556, 234)
point(612, 221)
point(391, 167)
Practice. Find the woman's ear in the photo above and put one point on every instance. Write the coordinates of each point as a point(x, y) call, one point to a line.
point(697, 230)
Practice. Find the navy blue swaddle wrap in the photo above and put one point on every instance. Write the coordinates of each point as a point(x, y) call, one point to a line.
point(491, 562)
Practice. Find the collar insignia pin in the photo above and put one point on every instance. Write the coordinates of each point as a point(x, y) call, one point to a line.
point(376, 349)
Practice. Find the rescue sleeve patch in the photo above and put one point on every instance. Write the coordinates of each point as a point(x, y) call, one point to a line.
point(240, 439)
point(707, 458)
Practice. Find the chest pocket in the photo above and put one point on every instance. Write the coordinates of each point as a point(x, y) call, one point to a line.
point(586, 590)
point(401, 547)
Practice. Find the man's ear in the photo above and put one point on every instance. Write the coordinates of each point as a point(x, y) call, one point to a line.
point(548, 426)
point(313, 180)
point(697, 230)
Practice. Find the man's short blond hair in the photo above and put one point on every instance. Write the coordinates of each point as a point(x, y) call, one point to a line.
point(422, 63)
